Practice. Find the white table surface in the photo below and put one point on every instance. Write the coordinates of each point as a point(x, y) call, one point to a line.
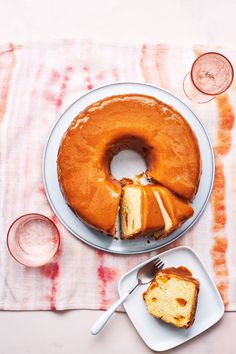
point(124, 21)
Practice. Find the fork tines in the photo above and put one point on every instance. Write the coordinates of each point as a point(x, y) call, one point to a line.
point(158, 263)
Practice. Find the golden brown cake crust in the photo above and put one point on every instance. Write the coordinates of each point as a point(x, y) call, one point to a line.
point(134, 121)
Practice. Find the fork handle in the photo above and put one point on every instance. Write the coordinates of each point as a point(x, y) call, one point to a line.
point(100, 323)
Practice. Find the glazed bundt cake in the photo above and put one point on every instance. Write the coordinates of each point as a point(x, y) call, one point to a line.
point(133, 121)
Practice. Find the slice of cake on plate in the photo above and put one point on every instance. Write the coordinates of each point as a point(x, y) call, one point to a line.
point(172, 296)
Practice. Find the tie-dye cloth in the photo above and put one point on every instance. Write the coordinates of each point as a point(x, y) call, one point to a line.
point(37, 82)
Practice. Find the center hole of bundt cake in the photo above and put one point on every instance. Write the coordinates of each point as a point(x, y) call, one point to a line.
point(127, 157)
point(127, 163)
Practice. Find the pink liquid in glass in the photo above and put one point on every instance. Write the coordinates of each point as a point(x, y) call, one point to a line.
point(212, 73)
point(33, 240)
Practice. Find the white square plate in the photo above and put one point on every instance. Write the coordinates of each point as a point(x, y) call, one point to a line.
point(156, 334)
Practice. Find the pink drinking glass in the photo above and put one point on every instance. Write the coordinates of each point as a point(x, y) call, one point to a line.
point(33, 240)
point(211, 74)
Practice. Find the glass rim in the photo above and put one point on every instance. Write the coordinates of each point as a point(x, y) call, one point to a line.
point(228, 85)
point(36, 215)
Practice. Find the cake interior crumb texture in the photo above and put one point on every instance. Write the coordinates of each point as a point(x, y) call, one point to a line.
point(131, 222)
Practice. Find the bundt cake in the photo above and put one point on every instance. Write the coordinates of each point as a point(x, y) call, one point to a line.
point(172, 296)
point(133, 121)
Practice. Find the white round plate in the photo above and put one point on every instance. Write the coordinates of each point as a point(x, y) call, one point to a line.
point(65, 214)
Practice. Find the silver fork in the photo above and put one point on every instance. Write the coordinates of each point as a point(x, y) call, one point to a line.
point(144, 276)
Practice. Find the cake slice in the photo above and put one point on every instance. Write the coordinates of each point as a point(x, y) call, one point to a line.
point(174, 210)
point(172, 296)
point(140, 213)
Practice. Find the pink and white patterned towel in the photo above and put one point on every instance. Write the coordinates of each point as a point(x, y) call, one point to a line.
point(37, 82)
